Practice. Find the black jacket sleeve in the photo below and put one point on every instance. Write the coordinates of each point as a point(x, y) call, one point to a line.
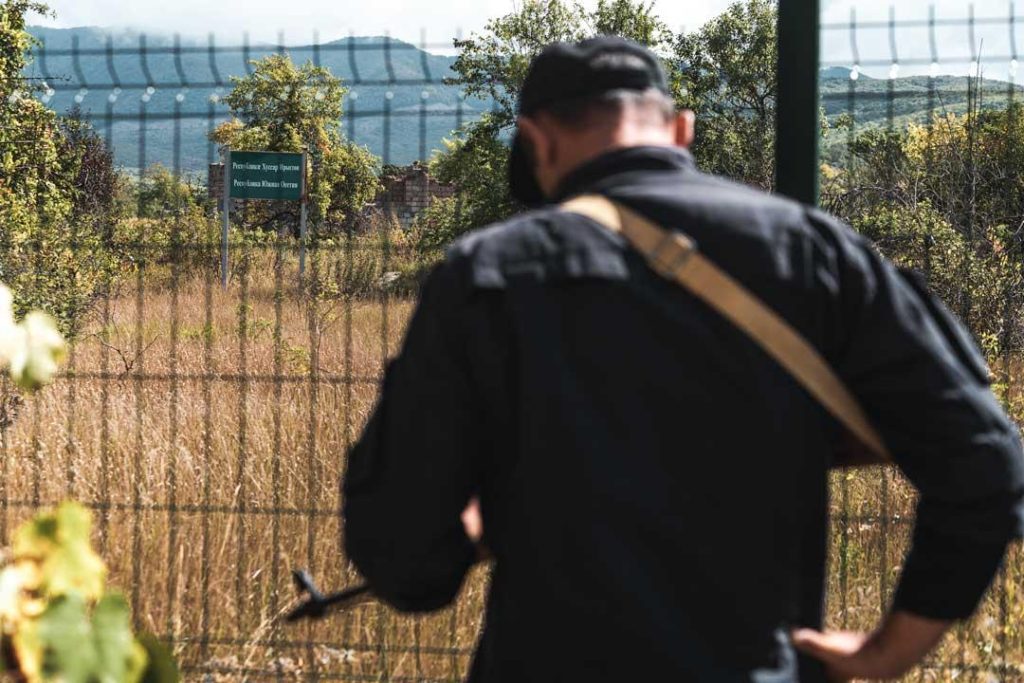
point(411, 474)
point(923, 382)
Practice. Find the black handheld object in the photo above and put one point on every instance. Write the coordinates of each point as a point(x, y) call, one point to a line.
point(316, 605)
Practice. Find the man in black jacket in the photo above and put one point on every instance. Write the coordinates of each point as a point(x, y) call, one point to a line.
point(653, 485)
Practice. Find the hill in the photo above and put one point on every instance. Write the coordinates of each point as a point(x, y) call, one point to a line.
point(912, 98)
point(876, 102)
point(127, 82)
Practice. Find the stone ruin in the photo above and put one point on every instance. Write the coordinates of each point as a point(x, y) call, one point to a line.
point(409, 192)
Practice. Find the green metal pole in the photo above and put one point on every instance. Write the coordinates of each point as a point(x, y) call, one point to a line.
point(797, 108)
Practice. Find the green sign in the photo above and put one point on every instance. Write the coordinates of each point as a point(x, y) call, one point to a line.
point(265, 175)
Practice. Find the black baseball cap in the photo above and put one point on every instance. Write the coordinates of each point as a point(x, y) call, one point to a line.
point(565, 72)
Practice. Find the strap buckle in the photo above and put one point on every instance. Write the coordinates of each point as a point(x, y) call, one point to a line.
point(671, 253)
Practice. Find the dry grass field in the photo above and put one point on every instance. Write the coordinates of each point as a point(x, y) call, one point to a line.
point(207, 428)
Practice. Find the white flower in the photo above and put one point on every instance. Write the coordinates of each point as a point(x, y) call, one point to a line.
point(30, 351)
point(41, 351)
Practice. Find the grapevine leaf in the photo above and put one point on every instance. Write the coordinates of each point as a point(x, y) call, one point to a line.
point(58, 643)
point(66, 644)
point(60, 543)
point(119, 658)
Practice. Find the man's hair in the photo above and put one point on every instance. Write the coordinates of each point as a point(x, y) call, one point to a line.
point(609, 106)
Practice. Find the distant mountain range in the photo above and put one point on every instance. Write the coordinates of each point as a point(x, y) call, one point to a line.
point(126, 82)
point(912, 97)
point(881, 102)
point(398, 106)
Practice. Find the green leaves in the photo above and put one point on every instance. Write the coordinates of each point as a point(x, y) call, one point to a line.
point(68, 643)
point(50, 257)
point(161, 667)
point(56, 618)
point(493, 64)
point(727, 75)
point(58, 543)
point(944, 198)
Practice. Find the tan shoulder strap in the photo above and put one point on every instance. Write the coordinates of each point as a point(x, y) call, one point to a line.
point(673, 255)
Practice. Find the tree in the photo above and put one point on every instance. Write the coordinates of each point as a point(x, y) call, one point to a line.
point(50, 261)
point(162, 194)
point(493, 65)
point(636, 21)
point(29, 187)
point(283, 108)
point(727, 76)
point(476, 162)
point(944, 198)
point(90, 165)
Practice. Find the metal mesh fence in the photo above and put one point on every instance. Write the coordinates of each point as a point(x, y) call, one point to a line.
point(207, 426)
point(914, 100)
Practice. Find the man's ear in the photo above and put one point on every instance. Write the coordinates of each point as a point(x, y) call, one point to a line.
point(538, 143)
point(686, 128)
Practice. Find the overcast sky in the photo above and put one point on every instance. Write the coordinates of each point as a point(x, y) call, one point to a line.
point(441, 20)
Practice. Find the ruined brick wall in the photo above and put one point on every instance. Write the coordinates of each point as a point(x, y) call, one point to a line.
point(409, 194)
point(215, 182)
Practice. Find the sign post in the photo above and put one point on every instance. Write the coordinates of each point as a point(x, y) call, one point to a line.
point(227, 220)
point(302, 220)
point(272, 176)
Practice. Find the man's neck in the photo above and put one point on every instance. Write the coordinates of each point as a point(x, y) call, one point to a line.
point(615, 161)
point(589, 146)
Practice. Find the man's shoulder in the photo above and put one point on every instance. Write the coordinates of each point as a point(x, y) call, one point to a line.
point(516, 235)
point(723, 214)
point(721, 200)
point(730, 200)
point(545, 243)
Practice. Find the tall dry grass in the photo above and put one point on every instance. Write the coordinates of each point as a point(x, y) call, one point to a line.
point(208, 430)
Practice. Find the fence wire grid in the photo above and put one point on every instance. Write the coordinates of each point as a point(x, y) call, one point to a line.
point(208, 427)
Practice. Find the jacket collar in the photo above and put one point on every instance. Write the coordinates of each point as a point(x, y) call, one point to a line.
point(621, 161)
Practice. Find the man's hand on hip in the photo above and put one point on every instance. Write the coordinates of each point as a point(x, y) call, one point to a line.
point(472, 521)
point(898, 645)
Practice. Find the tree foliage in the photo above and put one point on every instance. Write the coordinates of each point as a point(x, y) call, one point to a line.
point(281, 107)
point(52, 258)
point(476, 162)
point(727, 75)
point(944, 198)
point(493, 64)
point(90, 164)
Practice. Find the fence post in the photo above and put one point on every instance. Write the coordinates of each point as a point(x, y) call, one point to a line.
point(797, 108)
